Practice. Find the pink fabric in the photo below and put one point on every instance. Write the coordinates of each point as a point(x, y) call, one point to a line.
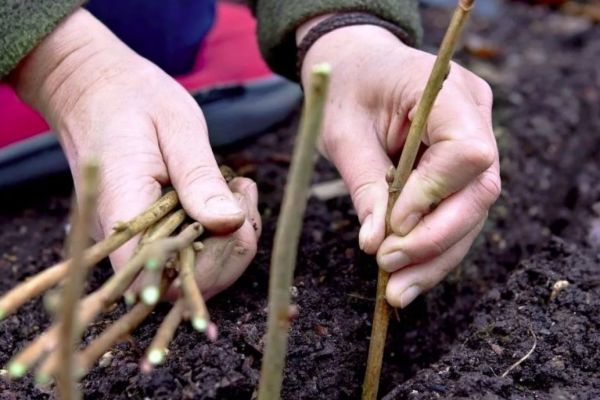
point(229, 55)
point(230, 52)
point(17, 120)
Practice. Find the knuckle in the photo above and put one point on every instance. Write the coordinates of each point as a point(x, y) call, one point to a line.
point(483, 90)
point(364, 192)
point(489, 188)
point(204, 174)
point(437, 245)
point(479, 154)
point(436, 242)
point(329, 143)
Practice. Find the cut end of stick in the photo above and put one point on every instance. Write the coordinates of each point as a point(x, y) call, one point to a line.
point(52, 302)
point(156, 356)
point(2, 314)
point(198, 246)
point(80, 372)
point(42, 379)
point(16, 370)
point(200, 324)
point(152, 263)
point(130, 298)
point(322, 69)
point(150, 295)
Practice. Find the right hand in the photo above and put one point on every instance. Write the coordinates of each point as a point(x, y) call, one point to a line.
point(146, 131)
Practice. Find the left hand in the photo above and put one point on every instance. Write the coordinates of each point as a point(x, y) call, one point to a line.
point(375, 86)
point(106, 102)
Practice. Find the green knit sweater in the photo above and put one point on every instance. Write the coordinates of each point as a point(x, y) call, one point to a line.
point(24, 23)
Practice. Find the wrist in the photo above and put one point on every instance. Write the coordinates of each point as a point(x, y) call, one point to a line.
point(331, 36)
point(67, 61)
point(350, 46)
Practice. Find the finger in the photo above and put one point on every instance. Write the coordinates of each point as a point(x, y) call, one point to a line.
point(249, 202)
point(352, 145)
point(408, 283)
point(193, 170)
point(461, 146)
point(225, 258)
point(443, 228)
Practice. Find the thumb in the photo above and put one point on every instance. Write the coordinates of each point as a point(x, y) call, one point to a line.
point(362, 162)
point(194, 173)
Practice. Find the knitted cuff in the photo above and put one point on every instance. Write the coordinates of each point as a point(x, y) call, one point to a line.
point(342, 20)
point(278, 22)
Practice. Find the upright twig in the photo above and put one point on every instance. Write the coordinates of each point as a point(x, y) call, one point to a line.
point(163, 228)
point(124, 231)
point(191, 292)
point(73, 289)
point(289, 225)
point(440, 70)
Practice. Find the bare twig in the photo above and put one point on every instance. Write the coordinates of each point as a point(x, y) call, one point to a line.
point(113, 289)
point(44, 280)
point(438, 74)
point(191, 292)
point(116, 331)
point(152, 275)
point(78, 241)
point(163, 228)
point(289, 226)
point(156, 353)
point(22, 362)
point(94, 303)
point(525, 357)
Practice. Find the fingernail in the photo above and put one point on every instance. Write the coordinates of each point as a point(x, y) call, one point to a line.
point(394, 261)
point(222, 205)
point(409, 223)
point(365, 231)
point(409, 295)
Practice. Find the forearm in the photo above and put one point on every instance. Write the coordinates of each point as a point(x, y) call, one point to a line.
point(64, 64)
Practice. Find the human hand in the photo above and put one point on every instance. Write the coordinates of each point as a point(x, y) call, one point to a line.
point(146, 131)
point(375, 86)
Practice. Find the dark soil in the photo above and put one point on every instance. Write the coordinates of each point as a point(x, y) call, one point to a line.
point(457, 341)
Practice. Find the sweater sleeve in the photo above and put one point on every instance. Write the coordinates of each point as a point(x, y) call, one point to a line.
point(24, 23)
point(278, 21)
